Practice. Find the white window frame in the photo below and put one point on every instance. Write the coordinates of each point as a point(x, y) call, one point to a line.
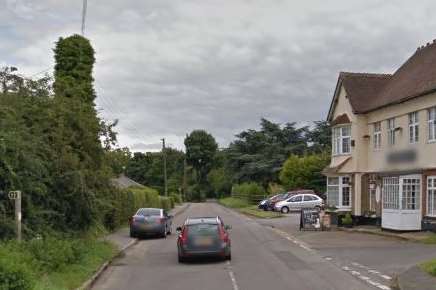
point(431, 114)
point(340, 138)
point(413, 127)
point(431, 196)
point(341, 187)
point(391, 131)
point(377, 135)
point(395, 189)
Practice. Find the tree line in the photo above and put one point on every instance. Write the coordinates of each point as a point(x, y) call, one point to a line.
point(276, 157)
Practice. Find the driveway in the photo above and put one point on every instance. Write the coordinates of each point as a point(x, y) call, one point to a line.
point(357, 251)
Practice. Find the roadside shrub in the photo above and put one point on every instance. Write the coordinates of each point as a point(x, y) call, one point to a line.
point(165, 203)
point(53, 254)
point(15, 276)
point(233, 202)
point(177, 198)
point(172, 201)
point(249, 191)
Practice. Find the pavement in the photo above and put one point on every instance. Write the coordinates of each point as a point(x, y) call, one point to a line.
point(262, 258)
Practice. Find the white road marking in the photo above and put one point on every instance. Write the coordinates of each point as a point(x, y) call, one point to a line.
point(386, 277)
point(232, 276)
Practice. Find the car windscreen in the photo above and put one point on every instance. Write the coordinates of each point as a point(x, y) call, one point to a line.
point(203, 230)
point(148, 212)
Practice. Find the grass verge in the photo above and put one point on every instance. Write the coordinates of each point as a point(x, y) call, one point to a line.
point(51, 263)
point(429, 267)
point(74, 275)
point(244, 207)
point(431, 240)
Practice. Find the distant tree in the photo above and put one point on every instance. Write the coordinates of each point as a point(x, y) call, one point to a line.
point(305, 172)
point(147, 169)
point(220, 182)
point(201, 148)
point(259, 155)
point(118, 159)
point(319, 137)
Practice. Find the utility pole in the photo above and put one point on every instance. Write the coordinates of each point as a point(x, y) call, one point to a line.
point(185, 169)
point(85, 6)
point(16, 196)
point(165, 166)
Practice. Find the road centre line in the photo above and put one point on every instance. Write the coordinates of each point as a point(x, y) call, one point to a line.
point(232, 276)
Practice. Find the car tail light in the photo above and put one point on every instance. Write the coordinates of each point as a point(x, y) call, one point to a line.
point(161, 220)
point(184, 236)
point(223, 235)
point(131, 220)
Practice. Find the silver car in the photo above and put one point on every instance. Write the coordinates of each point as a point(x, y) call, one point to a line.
point(150, 221)
point(298, 202)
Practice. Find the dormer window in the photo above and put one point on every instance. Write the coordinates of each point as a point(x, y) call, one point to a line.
point(341, 140)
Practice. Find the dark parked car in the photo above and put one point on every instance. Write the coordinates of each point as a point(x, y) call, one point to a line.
point(203, 237)
point(151, 221)
point(265, 204)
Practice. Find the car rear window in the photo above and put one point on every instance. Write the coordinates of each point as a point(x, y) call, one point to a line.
point(148, 212)
point(203, 229)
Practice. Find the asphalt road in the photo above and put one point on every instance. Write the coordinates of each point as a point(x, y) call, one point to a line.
point(262, 258)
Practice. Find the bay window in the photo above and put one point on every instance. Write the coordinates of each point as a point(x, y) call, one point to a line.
point(339, 191)
point(341, 140)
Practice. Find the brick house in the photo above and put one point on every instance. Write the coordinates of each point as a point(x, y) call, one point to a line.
point(384, 144)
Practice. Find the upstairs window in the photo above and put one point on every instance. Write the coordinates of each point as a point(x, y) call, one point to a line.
point(432, 124)
point(377, 135)
point(391, 131)
point(413, 128)
point(341, 140)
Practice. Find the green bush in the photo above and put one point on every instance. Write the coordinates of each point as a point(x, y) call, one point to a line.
point(172, 201)
point(177, 198)
point(347, 220)
point(15, 276)
point(165, 203)
point(249, 191)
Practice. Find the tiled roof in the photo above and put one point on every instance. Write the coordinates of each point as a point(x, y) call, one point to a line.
point(416, 77)
point(124, 182)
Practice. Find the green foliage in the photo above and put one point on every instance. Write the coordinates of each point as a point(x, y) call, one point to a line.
point(250, 191)
point(147, 168)
point(319, 137)
point(118, 160)
point(305, 172)
point(177, 198)
point(233, 202)
point(165, 203)
point(259, 155)
point(49, 263)
point(347, 220)
point(429, 267)
point(274, 188)
point(201, 148)
point(15, 276)
point(220, 182)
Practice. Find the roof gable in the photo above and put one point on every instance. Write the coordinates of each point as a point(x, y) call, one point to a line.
point(367, 92)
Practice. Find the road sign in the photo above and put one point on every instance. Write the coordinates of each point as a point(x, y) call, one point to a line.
point(14, 194)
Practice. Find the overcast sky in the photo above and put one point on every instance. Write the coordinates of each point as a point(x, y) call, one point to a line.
point(165, 68)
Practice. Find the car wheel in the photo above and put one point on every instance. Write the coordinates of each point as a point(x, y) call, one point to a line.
point(285, 209)
point(169, 232)
point(181, 259)
point(164, 234)
point(229, 257)
point(132, 234)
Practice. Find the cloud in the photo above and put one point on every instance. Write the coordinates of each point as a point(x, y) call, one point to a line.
point(167, 67)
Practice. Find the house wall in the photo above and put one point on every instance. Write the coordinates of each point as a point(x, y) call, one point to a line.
point(426, 151)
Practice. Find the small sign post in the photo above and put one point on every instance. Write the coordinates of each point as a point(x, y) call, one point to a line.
point(16, 196)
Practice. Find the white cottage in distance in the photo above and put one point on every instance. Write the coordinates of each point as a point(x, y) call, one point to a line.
point(384, 144)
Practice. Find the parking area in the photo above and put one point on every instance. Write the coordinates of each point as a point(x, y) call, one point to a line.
point(389, 256)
